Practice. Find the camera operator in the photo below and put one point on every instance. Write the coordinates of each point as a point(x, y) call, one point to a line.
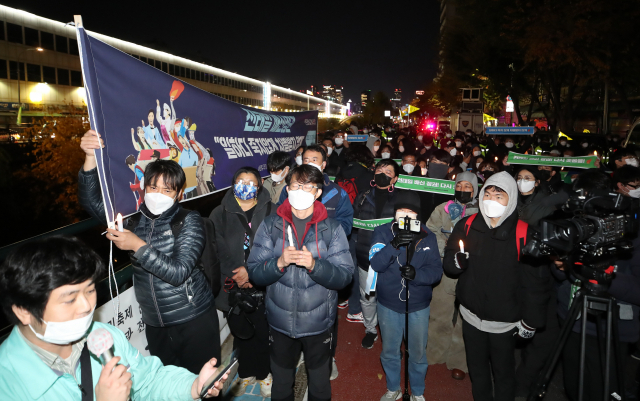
point(500, 296)
point(624, 287)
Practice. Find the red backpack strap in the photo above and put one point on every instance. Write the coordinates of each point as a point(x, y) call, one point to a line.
point(467, 224)
point(521, 234)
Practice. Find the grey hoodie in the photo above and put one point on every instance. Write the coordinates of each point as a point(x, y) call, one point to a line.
point(506, 182)
point(469, 177)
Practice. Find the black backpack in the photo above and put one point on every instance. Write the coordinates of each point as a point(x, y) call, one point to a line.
point(208, 262)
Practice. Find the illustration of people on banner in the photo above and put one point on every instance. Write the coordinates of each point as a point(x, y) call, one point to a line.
point(170, 139)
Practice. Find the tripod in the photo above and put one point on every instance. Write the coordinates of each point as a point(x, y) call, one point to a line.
point(595, 300)
point(406, 396)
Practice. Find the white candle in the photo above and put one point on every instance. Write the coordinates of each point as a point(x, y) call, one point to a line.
point(291, 243)
point(461, 246)
point(119, 221)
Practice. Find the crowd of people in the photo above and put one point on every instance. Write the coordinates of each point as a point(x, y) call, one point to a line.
point(290, 256)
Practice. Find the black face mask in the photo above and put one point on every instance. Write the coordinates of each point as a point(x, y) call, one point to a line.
point(544, 174)
point(487, 173)
point(438, 171)
point(463, 197)
point(382, 180)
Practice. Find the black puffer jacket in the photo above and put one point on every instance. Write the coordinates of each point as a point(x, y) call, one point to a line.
point(364, 208)
point(535, 207)
point(169, 287)
point(230, 235)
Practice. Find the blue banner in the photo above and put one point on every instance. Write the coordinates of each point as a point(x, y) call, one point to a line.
point(144, 114)
point(508, 130)
point(357, 138)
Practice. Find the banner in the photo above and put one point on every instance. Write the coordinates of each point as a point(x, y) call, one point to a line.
point(508, 130)
point(534, 160)
point(357, 138)
point(370, 225)
point(424, 184)
point(144, 114)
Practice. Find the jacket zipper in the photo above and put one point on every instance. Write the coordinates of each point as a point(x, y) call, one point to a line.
point(153, 292)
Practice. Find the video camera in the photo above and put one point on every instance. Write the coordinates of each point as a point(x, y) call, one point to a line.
point(591, 240)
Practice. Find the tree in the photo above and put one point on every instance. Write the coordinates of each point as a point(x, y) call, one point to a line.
point(373, 112)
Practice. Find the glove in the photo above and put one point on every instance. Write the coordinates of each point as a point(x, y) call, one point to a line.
point(462, 260)
point(403, 238)
point(408, 272)
point(525, 332)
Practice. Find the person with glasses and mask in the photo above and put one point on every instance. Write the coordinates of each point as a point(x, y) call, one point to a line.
point(445, 337)
point(174, 294)
point(301, 255)
point(376, 203)
point(486, 169)
point(236, 221)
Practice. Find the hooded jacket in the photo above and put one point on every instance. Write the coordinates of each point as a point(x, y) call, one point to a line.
point(169, 287)
point(300, 303)
point(497, 286)
point(227, 219)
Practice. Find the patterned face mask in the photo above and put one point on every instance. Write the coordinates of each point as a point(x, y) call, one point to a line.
point(244, 191)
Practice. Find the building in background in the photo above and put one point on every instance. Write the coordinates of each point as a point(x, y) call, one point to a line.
point(40, 70)
point(365, 96)
point(447, 13)
point(396, 101)
point(333, 93)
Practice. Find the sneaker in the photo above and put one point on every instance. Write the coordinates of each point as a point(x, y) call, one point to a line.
point(391, 395)
point(265, 386)
point(368, 340)
point(334, 370)
point(417, 398)
point(240, 385)
point(343, 305)
point(358, 318)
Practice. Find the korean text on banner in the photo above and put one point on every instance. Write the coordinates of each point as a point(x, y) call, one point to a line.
point(426, 184)
point(508, 130)
point(370, 225)
point(533, 160)
point(144, 114)
point(357, 138)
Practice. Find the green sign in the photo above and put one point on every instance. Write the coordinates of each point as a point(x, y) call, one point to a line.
point(370, 224)
point(426, 184)
point(332, 179)
point(399, 161)
point(534, 160)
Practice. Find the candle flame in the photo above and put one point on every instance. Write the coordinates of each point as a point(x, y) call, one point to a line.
point(496, 158)
point(461, 243)
point(595, 153)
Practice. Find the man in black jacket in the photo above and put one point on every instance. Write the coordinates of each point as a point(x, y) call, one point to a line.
point(499, 294)
point(176, 301)
point(439, 165)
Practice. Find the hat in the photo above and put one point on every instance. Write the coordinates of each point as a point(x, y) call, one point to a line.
point(193, 127)
point(407, 200)
point(471, 178)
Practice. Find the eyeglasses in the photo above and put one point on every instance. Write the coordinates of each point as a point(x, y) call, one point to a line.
point(308, 187)
point(634, 186)
point(245, 182)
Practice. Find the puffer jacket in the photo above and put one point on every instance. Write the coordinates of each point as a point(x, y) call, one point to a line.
point(301, 303)
point(169, 287)
point(365, 209)
point(230, 235)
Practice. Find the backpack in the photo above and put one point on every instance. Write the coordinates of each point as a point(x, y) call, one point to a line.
point(208, 262)
point(521, 231)
point(349, 186)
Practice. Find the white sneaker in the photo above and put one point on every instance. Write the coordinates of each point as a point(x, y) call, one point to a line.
point(240, 385)
point(391, 395)
point(334, 370)
point(357, 318)
point(343, 305)
point(265, 386)
point(417, 398)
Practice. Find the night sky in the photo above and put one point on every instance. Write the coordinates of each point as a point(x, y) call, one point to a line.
point(364, 45)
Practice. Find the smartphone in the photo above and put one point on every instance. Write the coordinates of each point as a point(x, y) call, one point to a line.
point(216, 378)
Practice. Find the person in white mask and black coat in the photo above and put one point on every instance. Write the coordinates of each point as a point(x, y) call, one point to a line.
point(534, 202)
point(501, 297)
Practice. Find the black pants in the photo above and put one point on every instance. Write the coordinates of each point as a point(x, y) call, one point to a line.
point(188, 345)
point(285, 353)
point(487, 353)
point(594, 375)
point(536, 351)
point(334, 338)
point(253, 353)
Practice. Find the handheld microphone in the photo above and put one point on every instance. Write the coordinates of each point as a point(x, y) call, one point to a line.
point(100, 343)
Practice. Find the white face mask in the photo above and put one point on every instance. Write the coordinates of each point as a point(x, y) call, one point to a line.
point(635, 193)
point(401, 214)
point(509, 145)
point(279, 177)
point(424, 171)
point(408, 168)
point(555, 153)
point(339, 141)
point(375, 148)
point(420, 138)
point(631, 162)
point(401, 149)
point(299, 160)
point(301, 200)
point(428, 147)
point(458, 144)
point(329, 151)
point(526, 186)
point(365, 131)
point(563, 143)
point(478, 165)
point(385, 155)
point(62, 333)
point(453, 152)
point(493, 208)
point(157, 203)
point(316, 166)
point(449, 135)
point(477, 153)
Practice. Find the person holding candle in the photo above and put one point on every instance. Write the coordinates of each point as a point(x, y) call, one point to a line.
point(446, 344)
point(501, 297)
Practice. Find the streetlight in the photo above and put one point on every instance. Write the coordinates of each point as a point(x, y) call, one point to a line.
point(38, 49)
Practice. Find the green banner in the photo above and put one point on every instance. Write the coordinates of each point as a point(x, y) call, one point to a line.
point(533, 160)
point(370, 224)
point(399, 161)
point(426, 184)
point(332, 179)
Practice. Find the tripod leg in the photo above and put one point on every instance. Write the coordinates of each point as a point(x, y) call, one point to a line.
point(583, 344)
point(601, 347)
point(545, 375)
point(618, 354)
point(607, 360)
